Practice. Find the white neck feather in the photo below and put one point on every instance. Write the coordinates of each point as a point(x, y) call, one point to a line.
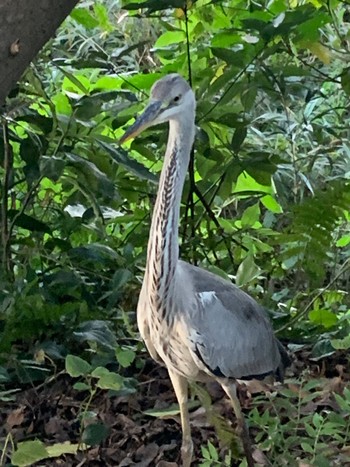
point(163, 244)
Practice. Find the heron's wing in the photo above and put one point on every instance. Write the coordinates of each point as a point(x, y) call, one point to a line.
point(229, 332)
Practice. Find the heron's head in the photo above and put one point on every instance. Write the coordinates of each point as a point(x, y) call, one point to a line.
point(171, 97)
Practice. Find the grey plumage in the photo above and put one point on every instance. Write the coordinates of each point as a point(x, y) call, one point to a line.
point(196, 323)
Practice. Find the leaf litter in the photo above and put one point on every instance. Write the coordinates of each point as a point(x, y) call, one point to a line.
point(134, 437)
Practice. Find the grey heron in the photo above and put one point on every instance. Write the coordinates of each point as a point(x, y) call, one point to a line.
point(199, 325)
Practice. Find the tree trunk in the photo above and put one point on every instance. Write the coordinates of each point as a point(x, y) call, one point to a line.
point(25, 26)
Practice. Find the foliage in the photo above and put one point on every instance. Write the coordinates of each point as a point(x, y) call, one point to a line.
point(267, 199)
point(30, 452)
point(318, 436)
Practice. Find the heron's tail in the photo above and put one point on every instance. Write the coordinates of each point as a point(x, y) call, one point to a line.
point(285, 362)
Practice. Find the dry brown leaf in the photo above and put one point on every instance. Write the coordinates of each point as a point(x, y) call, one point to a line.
point(15, 418)
point(260, 458)
point(146, 455)
point(335, 384)
point(126, 462)
point(296, 389)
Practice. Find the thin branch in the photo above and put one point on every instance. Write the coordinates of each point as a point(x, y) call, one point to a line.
point(190, 208)
point(238, 76)
point(5, 231)
point(28, 197)
point(308, 65)
point(189, 65)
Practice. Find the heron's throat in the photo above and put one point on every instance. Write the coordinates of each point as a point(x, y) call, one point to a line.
point(163, 246)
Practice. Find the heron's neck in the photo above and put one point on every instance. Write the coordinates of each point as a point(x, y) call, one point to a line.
point(163, 245)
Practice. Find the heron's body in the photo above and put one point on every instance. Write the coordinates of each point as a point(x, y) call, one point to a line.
point(196, 323)
point(205, 329)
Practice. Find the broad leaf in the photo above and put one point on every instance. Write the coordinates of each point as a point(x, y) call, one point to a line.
point(125, 356)
point(58, 449)
point(96, 331)
point(28, 222)
point(325, 318)
point(120, 156)
point(95, 433)
point(110, 381)
point(247, 271)
point(76, 366)
point(29, 452)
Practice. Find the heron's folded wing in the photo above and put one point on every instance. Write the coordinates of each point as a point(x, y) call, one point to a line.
point(228, 331)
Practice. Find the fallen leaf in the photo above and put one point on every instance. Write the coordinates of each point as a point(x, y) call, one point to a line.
point(147, 454)
point(15, 418)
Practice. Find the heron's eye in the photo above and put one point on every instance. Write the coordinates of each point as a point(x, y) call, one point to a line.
point(176, 99)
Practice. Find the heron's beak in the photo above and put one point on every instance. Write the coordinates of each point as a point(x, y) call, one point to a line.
point(145, 120)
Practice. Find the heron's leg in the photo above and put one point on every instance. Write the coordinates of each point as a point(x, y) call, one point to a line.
point(181, 390)
point(231, 391)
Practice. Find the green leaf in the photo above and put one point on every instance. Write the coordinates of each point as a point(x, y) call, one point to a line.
point(343, 241)
point(96, 331)
point(206, 454)
point(95, 252)
point(82, 16)
point(317, 419)
point(29, 151)
point(4, 375)
point(62, 104)
point(28, 222)
point(100, 371)
point(58, 449)
point(170, 37)
point(89, 106)
point(52, 167)
point(9, 395)
point(323, 348)
point(153, 5)
point(219, 272)
point(213, 452)
point(345, 81)
point(310, 430)
point(341, 344)
point(238, 138)
point(170, 411)
point(125, 50)
point(247, 271)
point(29, 452)
point(110, 381)
point(343, 402)
point(37, 121)
point(225, 54)
point(307, 448)
point(91, 175)
point(120, 278)
point(247, 183)
point(76, 366)
point(324, 318)
point(251, 215)
point(271, 204)
point(77, 84)
point(102, 15)
point(95, 433)
point(80, 386)
point(121, 157)
point(125, 356)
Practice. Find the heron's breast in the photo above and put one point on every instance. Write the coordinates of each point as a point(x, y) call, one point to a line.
point(170, 340)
